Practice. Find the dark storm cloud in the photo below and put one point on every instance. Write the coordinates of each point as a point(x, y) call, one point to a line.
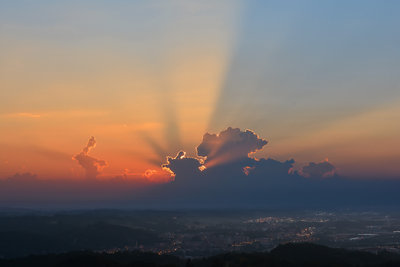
point(318, 170)
point(91, 165)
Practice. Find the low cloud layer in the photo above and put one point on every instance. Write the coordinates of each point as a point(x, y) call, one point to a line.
point(91, 165)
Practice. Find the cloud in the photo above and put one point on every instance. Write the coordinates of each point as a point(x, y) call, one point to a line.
point(227, 176)
point(91, 165)
point(157, 176)
point(238, 180)
point(271, 168)
point(318, 170)
point(91, 144)
point(183, 166)
point(22, 115)
point(227, 162)
point(229, 145)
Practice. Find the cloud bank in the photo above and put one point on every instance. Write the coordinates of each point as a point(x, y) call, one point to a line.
point(222, 175)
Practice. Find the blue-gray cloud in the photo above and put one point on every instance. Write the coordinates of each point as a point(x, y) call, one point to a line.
point(229, 145)
point(318, 170)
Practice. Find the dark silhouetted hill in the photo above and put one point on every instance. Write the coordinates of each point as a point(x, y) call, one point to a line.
point(62, 238)
point(301, 254)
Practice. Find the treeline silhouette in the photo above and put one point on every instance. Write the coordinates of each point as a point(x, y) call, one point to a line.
point(292, 254)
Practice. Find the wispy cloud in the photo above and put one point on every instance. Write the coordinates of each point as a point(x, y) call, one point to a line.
point(55, 114)
point(22, 115)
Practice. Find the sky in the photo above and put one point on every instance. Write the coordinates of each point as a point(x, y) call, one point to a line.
point(146, 79)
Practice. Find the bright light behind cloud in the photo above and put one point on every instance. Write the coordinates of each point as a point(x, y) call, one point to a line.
point(73, 70)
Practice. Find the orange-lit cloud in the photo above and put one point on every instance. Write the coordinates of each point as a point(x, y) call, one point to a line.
point(247, 170)
point(158, 176)
point(22, 115)
point(91, 165)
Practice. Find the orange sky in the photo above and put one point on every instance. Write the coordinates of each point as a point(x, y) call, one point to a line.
point(148, 90)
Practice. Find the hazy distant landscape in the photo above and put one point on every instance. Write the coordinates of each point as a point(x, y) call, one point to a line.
point(193, 234)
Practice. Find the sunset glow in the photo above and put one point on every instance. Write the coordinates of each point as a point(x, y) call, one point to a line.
point(147, 90)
